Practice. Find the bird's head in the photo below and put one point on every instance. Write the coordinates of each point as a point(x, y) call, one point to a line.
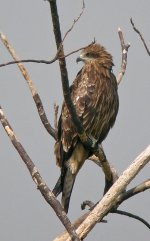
point(96, 52)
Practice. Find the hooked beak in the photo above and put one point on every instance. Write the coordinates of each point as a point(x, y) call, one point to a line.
point(78, 59)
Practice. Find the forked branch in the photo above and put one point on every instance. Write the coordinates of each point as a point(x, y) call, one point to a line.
point(35, 95)
point(41, 185)
point(139, 33)
point(110, 199)
point(64, 73)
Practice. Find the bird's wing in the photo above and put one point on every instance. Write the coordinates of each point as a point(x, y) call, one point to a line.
point(85, 96)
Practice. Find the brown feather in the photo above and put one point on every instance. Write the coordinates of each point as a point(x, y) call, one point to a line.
point(94, 94)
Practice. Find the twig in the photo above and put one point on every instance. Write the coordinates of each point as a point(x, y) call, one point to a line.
point(74, 22)
point(91, 205)
point(56, 107)
point(124, 48)
point(132, 216)
point(139, 33)
point(133, 191)
point(38, 61)
point(32, 88)
point(41, 185)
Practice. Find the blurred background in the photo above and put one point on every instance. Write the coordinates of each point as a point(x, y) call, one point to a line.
point(24, 214)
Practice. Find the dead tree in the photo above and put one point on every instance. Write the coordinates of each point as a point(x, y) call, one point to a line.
point(119, 192)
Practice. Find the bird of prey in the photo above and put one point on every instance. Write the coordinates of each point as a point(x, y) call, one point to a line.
point(95, 97)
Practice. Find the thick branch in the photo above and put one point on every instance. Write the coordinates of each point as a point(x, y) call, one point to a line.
point(62, 65)
point(41, 185)
point(110, 198)
point(139, 33)
point(64, 75)
point(32, 88)
point(128, 194)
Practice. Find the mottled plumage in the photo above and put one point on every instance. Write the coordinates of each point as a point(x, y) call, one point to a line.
point(94, 94)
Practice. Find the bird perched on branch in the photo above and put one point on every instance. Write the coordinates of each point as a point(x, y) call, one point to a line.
point(94, 95)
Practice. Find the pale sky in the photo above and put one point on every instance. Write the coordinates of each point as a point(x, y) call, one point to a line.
point(24, 214)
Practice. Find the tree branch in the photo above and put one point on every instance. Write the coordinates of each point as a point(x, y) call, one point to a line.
point(64, 75)
point(100, 159)
point(56, 107)
point(35, 95)
point(72, 26)
point(41, 185)
point(124, 48)
point(38, 61)
point(91, 205)
point(133, 191)
point(123, 197)
point(110, 198)
point(132, 216)
point(139, 33)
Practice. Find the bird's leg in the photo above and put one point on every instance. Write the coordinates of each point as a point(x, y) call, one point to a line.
point(94, 141)
point(109, 172)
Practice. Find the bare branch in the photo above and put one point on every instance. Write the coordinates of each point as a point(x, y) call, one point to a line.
point(76, 224)
point(139, 33)
point(64, 78)
point(38, 61)
point(41, 185)
point(32, 88)
point(74, 22)
point(133, 191)
point(124, 196)
point(56, 107)
point(132, 216)
point(63, 236)
point(110, 198)
point(124, 48)
point(91, 205)
point(63, 68)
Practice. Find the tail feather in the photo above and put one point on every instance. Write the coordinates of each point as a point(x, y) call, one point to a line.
point(58, 187)
point(71, 162)
point(68, 184)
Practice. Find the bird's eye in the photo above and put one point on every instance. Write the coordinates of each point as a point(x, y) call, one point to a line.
point(89, 55)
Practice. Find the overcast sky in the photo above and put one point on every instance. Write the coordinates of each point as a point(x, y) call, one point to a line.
point(24, 215)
